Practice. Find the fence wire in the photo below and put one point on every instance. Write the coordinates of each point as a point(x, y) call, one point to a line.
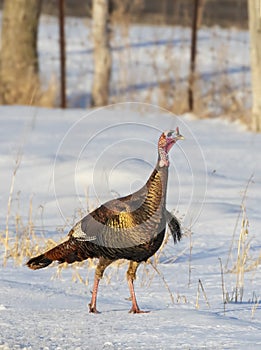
point(151, 60)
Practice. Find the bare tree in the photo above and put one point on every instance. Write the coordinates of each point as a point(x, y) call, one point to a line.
point(19, 63)
point(254, 13)
point(102, 53)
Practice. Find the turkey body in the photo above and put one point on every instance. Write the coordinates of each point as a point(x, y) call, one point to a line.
point(131, 227)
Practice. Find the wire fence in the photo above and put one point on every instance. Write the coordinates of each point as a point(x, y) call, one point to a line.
point(152, 57)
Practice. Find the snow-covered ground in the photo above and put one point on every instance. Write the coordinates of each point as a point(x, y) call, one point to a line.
point(109, 152)
point(70, 161)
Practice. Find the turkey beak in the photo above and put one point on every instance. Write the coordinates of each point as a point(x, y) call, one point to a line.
point(179, 137)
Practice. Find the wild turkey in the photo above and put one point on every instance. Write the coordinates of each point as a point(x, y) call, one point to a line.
point(130, 227)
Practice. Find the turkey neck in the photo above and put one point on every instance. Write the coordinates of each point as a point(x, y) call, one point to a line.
point(153, 195)
point(157, 187)
point(157, 182)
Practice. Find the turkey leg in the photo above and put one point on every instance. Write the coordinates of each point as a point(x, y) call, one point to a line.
point(103, 263)
point(131, 276)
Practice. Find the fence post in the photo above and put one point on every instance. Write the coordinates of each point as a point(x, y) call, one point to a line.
point(62, 55)
point(193, 53)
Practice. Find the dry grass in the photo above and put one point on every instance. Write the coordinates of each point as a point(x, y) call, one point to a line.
point(243, 242)
point(242, 257)
point(256, 302)
point(123, 11)
point(199, 291)
point(217, 94)
point(23, 242)
point(28, 91)
point(242, 262)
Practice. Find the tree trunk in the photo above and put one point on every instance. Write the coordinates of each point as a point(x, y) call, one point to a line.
point(254, 13)
point(102, 53)
point(19, 61)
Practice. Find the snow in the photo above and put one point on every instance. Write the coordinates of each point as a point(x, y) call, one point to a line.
point(73, 160)
point(111, 151)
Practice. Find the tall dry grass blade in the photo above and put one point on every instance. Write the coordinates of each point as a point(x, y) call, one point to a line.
point(200, 286)
point(250, 180)
point(223, 285)
point(9, 204)
point(256, 305)
point(164, 281)
point(190, 256)
point(242, 252)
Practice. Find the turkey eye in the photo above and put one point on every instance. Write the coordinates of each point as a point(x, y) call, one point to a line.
point(169, 134)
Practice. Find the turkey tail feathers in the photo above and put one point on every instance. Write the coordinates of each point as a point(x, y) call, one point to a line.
point(38, 262)
point(175, 230)
point(64, 252)
point(174, 227)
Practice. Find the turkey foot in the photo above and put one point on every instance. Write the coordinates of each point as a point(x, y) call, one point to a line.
point(93, 310)
point(135, 310)
point(132, 273)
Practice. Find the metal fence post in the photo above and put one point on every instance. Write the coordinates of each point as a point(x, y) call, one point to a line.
point(193, 53)
point(62, 55)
